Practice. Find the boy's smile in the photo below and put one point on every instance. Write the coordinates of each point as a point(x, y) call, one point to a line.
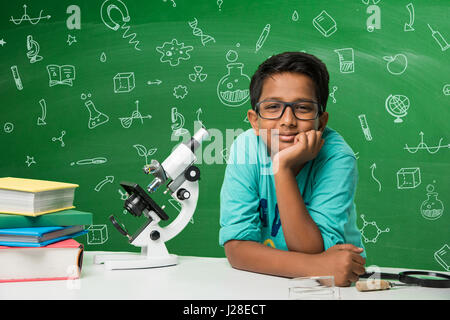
point(285, 87)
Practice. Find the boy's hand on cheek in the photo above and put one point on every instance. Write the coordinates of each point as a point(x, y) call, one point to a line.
point(306, 147)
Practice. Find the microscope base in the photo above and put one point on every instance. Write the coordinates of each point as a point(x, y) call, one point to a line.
point(134, 261)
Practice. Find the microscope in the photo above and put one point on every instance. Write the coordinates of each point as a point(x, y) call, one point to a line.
point(182, 183)
point(33, 50)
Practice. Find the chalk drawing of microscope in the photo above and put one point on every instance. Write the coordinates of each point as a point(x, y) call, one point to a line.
point(105, 14)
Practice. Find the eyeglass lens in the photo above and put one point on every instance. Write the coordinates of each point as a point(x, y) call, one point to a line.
point(304, 110)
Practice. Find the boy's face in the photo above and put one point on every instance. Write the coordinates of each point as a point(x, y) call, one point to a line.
point(285, 87)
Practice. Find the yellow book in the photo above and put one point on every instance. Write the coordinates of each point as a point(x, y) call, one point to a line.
point(32, 197)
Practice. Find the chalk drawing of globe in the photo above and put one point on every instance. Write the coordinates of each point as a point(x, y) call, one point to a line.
point(397, 105)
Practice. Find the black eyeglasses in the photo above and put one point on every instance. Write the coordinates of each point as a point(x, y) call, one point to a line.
point(302, 109)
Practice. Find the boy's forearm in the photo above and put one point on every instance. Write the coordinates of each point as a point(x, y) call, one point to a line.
point(257, 257)
point(300, 231)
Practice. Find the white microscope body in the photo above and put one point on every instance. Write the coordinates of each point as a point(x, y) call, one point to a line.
point(183, 187)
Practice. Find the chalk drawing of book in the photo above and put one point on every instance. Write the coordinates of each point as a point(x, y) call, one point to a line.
point(61, 74)
point(325, 24)
point(442, 256)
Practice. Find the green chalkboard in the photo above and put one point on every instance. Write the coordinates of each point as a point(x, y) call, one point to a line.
point(91, 91)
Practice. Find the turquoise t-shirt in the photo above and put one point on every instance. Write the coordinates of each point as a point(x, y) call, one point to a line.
point(248, 201)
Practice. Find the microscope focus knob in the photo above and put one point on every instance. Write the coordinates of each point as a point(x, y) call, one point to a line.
point(192, 174)
point(154, 235)
point(183, 194)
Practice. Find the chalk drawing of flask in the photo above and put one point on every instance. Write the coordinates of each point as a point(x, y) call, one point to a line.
point(432, 208)
point(96, 117)
point(232, 88)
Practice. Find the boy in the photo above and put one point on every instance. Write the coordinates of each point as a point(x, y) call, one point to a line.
point(286, 203)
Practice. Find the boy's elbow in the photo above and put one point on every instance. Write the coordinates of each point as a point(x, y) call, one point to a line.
point(232, 251)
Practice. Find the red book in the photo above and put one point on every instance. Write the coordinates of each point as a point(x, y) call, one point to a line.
point(57, 261)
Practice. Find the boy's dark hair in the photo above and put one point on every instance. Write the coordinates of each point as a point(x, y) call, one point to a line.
point(297, 62)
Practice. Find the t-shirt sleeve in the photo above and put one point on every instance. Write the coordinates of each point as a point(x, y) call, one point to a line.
point(239, 201)
point(333, 197)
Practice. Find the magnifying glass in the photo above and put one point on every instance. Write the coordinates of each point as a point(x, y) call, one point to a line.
point(427, 279)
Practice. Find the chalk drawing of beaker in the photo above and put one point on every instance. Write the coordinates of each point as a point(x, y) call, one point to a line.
point(432, 208)
point(96, 117)
point(232, 88)
point(346, 60)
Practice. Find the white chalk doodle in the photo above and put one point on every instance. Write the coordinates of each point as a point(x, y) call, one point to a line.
point(365, 127)
point(442, 256)
point(101, 184)
point(173, 51)
point(432, 208)
point(41, 119)
point(177, 123)
point(180, 91)
point(173, 3)
point(325, 24)
point(71, 39)
point(196, 31)
point(397, 64)
point(409, 26)
point(124, 82)
point(26, 17)
point(97, 234)
point(423, 146)
point(397, 106)
point(262, 37)
point(232, 88)
point(333, 94)
point(408, 178)
point(346, 60)
point(17, 78)
point(143, 152)
point(198, 74)
point(126, 122)
point(96, 160)
point(446, 89)
point(123, 195)
point(103, 57)
point(60, 138)
point(441, 41)
point(33, 50)
point(372, 224)
point(109, 6)
point(199, 113)
point(8, 127)
point(30, 161)
point(96, 118)
point(64, 74)
point(373, 167)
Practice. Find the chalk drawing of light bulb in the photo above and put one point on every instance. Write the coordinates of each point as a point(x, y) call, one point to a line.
point(232, 88)
point(432, 208)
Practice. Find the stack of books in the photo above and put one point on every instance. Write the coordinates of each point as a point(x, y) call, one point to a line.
point(37, 225)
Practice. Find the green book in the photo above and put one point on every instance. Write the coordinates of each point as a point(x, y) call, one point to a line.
point(69, 217)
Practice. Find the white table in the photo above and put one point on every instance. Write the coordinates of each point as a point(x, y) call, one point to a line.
point(194, 278)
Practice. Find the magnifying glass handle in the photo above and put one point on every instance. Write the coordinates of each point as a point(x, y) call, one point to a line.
point(372, 285)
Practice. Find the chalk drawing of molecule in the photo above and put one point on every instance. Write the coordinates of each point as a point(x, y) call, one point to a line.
point(374, 224)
